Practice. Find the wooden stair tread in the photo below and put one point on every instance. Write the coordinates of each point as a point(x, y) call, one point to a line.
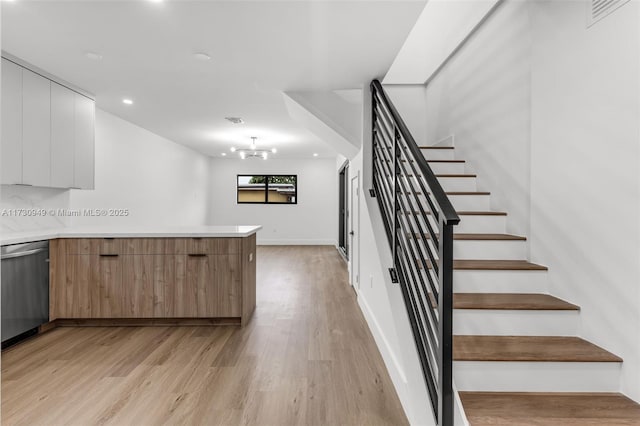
point(469, 213)
point(460, 175)
point(481, 213)
point(549, 408)
point(489, 265)
point(469, 193)
point(529, 348)
point(481, 237)
point(511, 301)
point(492, 265)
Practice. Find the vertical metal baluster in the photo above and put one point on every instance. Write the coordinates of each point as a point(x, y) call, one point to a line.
point(396, 206)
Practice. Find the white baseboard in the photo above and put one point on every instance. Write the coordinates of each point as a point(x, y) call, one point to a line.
point(388, 355)
point(295, 242)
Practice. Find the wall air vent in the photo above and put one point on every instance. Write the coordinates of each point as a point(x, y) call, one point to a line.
point(235, 120)
point(599, 9)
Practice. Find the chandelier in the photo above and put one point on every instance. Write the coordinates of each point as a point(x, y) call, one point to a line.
point(253, 151)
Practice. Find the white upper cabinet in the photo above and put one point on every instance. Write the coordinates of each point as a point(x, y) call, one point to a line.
point(36, 129)
point(84, 152)
point(63, 111)
point(48, 131)
point(11, 150)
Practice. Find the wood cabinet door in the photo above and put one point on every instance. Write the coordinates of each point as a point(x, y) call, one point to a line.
point(199, 290)
point(81, 287)
point(138, 283)
point(226, 274)
point(169, 274)
point(110, 288)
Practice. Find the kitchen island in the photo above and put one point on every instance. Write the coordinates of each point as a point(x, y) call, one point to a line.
point(195, 275)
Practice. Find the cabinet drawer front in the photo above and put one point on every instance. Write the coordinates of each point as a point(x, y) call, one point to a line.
point(94, 246)
point(214, 245)
point(154, 245)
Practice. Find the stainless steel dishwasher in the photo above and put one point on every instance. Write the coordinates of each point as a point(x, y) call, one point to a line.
point(25, 289)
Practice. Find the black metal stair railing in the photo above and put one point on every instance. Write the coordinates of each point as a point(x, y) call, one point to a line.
point(419, 221)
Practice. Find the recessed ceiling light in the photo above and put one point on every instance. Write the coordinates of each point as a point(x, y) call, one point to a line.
point(233, 149)
point(224, 154)
point(127, 101)
point(235, 120)
point(274, 150)
point(93, 56)
point(201, 56)
point(315, 154)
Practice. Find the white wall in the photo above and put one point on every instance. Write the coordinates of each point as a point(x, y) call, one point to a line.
point(313, 220)
point(547, 111)
point(483, 98)
point(585, 169)
point(158, 181)
point(410, 101)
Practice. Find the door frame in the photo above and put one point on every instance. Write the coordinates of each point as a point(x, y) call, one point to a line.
point(343, 210)
point(354, 230)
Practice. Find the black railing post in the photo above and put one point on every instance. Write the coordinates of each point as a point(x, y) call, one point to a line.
point(445, 325)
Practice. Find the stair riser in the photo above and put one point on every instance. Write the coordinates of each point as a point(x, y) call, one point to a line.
point(481, 224)
point(537, 376)
point(460, 202)
point(515, 322)
point(447, 168)
point(475, 281)
point(471, 202)
point(506, 250)
point(451, 184)
point(438, 154)
point(493, 249)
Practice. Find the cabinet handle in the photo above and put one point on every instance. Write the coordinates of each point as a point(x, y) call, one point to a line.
point(108, 238)
point(197, 255)
point(196, 238)
point(108, 255)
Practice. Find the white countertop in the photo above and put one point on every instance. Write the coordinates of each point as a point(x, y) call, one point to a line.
point(137, 232)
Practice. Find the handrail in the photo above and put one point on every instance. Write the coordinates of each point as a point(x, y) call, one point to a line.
point(450, 215)
point(418, 218)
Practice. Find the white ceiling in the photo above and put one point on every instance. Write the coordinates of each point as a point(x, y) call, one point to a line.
point(258, 50)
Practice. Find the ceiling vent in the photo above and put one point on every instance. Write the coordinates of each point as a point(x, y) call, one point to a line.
point(235, 120)
point(599, 9)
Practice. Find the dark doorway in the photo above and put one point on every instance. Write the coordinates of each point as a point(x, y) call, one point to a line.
point(343, 212)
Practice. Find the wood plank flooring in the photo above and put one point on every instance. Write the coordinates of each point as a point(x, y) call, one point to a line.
point(307, 357)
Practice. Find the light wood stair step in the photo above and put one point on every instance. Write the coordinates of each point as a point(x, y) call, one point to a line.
point(497, 265)
point(454, 175)
point(467, 213)
point(480, 237)
point(529, 348)
point(490, 265)
point(511, 301)
point(551, 408)
point(453, 193)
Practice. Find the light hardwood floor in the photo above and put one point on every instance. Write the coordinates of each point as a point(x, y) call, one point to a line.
point(307, 357)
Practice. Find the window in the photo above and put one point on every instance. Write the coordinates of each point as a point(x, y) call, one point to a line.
point(267, 189)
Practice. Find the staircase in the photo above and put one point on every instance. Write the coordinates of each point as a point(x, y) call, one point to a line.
point(482, 319)
point(516, 357)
